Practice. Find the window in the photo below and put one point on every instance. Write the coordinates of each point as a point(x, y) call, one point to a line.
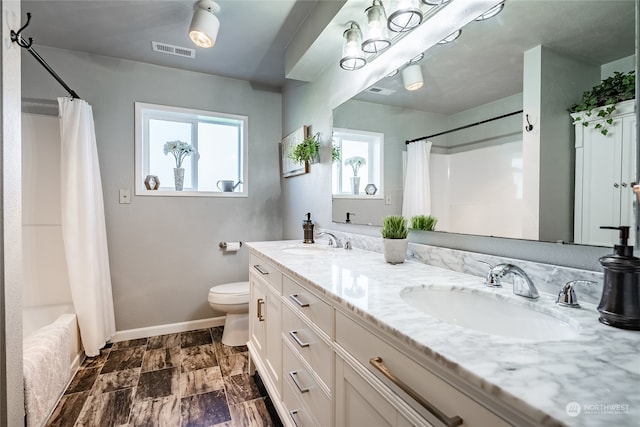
point(367, 146)
point(218, 138)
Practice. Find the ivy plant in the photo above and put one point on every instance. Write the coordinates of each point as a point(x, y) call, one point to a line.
point(617, 88)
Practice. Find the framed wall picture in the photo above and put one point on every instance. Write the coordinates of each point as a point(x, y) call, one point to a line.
point(289, 167)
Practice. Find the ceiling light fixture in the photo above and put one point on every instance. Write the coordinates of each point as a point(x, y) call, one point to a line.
point(204, 24)
point(405, 15)
point(412, 77)
point(393, 73)
point(352, 55)
point(450, 37)
point(376, 34)
point(491, 12)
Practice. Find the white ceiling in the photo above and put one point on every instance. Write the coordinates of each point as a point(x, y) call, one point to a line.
point(251, 42)
point(254, 37)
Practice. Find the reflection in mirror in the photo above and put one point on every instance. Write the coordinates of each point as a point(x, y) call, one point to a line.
point(498, 178)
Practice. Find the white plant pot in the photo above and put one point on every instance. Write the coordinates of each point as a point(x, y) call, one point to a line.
point(355, 184)
point(395, 250)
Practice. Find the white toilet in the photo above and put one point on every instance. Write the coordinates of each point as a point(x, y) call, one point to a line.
point(233, 299)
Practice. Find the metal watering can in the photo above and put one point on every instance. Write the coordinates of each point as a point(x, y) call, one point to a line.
point(227, 185)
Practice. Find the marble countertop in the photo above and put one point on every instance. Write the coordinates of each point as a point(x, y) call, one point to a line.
point(597, 372)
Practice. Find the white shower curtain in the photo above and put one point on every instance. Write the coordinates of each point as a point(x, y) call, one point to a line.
point(83, 226)
point(417, 185)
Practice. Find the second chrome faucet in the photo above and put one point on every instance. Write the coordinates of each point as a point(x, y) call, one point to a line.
point(522, 284)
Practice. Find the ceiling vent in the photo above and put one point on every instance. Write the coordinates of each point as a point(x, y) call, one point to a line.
point(377, 90)
point(185, 52)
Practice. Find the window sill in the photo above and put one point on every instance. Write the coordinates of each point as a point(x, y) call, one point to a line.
point(359, 196)
point(187, 193)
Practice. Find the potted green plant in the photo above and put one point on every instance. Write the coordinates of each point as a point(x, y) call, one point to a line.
point(307, 151)
point(336, 153)
point(394, 238)
point(423, 222)
point(603, 97)
point(356, 162)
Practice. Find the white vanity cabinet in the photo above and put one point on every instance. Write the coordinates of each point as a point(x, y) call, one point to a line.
point(265, 322)
point(605, 172)
point(326, 375)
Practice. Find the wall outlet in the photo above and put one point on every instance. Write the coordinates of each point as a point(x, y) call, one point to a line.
point(387, 199)
point(125, 196)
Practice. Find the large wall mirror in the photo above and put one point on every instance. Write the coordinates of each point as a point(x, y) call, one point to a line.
point(514, 176)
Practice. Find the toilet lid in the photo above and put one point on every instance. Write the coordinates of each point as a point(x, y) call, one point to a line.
point(230, 293)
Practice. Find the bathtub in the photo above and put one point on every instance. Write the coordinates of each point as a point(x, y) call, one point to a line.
point(51, 355)
point(34, 318)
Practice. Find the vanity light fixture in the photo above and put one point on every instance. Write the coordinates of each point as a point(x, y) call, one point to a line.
point(376, 34)
point(491, 12)
point(204, 24)
point(352, 55)
point(417, 58)
point(412, 77)
point(450, 37)
point(435, 2)
point(406, 15)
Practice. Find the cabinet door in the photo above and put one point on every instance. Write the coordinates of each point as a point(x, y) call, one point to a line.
point(359, 404)
point(628, 176)
point(602, 184)
point(257, 308)
point(273, 337)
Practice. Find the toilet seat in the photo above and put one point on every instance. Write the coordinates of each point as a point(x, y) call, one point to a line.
point(230, 293)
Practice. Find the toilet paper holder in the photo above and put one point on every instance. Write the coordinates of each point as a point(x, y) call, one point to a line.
point(223, 245)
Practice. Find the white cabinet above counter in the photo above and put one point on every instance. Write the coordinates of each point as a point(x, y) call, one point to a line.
point(391, 362)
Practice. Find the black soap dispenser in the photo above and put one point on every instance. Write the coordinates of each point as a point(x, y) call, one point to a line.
point(620, 302)
point(307, 227)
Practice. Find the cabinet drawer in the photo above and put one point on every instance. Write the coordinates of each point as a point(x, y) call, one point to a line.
point(308, 304)
point(296, 412)
point(308, 344)
point(364, 345)
point(303, 385)
point(266, 270)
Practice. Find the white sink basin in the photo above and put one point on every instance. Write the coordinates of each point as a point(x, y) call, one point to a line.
point(307, 249)
point(490, 313)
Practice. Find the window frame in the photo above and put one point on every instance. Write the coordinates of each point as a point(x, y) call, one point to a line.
point(146, 111)
point(376, 142)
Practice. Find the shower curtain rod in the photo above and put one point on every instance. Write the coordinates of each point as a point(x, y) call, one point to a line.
point(17, 38)
point(463, 127)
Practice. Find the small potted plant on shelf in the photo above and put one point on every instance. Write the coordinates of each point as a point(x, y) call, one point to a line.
point(356, 162)
point(307, 152)
point(394, 238)
point(336, 153)
point(424, 222)
point(604, 97)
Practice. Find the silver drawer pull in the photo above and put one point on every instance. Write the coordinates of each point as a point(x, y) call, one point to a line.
point(294, 417)
point(296, 338)
point(294, 378)
point(449, 422)
point(260, 269)
point(294, 298)
point(260, 302)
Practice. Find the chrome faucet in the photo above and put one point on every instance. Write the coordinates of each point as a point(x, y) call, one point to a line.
point(333, 240)
point(522, 284)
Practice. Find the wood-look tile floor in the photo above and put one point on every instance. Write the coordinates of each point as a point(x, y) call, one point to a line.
point(184, 379)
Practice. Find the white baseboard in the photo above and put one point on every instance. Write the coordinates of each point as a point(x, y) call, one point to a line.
point(172, 328)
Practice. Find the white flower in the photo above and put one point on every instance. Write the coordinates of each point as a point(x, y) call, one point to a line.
point(179, 150)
